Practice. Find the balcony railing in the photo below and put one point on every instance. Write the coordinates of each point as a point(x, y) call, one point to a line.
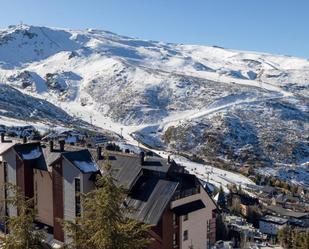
point(185, 193)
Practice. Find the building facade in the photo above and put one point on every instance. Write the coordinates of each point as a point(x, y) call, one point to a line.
point(175, 203)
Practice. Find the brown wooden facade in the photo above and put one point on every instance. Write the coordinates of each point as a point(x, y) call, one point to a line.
point(58, 200)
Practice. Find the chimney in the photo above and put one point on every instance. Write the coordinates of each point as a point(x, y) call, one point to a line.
point(99, 153)
point(142, 156)
point(61, 143)
point(169, 159)
point(2, 137)
point(51, 145)
point(24, 140)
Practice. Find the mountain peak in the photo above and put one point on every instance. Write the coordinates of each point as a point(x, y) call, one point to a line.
point(188, 97)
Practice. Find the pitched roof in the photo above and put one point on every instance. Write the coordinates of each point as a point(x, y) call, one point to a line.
point(149, 192)
point(156, 164)
point(286, 212)
point(4, 147)
point(125, 167)
point(32, 152)
point(82, 160)
point(274, 219)
point(28, 151)
point(50, 156)
point(149, 198)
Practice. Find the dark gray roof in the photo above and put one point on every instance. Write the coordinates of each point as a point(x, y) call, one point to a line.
point(268, 189)
point(149, 198)
point(52, 156)
point(285, 212)
point(83, 160)
point(49, 156)
point(156, 164)
point(31, 152)
point(28, 151)
point(274, 219)
point(125, 167)
point(286, 198)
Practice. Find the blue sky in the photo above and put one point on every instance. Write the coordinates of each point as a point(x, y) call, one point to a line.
point(275, 26)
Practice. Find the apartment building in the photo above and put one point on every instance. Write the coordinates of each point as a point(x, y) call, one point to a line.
point(52, 176)
point(174, 202)
point(161, 193)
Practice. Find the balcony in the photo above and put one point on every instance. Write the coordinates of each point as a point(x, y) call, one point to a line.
point(180, 194)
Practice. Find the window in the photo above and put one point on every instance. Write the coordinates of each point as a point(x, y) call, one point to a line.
point(77, 197)
point(185, 217)
point(36, 193)
point(185, 235)
point(174, 239)
point(5, 165)
point(174, 220)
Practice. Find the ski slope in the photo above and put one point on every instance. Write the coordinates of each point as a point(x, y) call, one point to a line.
point(139, 89)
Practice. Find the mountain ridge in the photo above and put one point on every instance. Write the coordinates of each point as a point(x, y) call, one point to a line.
point(200, 99)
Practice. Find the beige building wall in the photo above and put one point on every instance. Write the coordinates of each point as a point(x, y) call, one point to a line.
point(43, 193)
point(197, 222)
point(2, 196)
point(10, 158)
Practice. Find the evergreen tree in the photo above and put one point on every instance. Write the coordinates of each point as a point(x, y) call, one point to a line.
point(235, 205)
point(239, 191)
point(22, 234)
point(284, 236)
point(222, 199)
point(300, 239)
point(254, 215)
point(294, 238)
point(221, 229)
point(103, 223)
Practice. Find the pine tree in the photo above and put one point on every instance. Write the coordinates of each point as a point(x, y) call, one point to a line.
point(22, 234)
point(222, 199)
point(103, 223)
point(254, 215)
point(300, 239)
point(282, 236)
point(221, 229)
point(306, 242)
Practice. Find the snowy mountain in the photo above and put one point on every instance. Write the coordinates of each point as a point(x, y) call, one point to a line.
point(210, 101)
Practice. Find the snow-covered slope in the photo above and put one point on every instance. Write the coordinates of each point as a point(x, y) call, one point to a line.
point(207, 100)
